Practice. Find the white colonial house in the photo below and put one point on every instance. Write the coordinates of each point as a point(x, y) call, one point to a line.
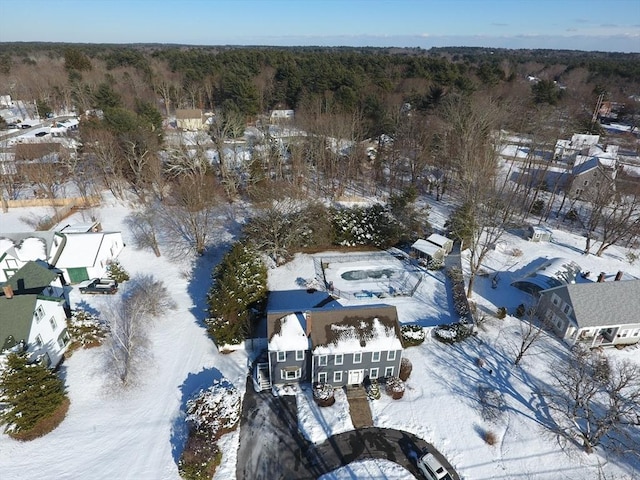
point(33, 314)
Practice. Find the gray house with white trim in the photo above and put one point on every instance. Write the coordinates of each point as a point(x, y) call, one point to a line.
point(597, 313)
point(336, 345)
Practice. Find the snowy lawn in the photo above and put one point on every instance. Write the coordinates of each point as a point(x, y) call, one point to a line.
point(319, 423)
point(139, 434)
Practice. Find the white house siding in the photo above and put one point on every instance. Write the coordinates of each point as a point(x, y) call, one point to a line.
point(48, 334)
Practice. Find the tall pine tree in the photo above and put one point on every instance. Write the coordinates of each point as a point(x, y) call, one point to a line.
point(239, 288)
point(31, 391)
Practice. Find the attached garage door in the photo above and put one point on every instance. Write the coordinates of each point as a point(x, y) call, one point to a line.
point(77, 275)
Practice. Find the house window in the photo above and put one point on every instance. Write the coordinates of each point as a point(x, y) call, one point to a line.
point(625, 333)
point(64, 338)
point(52, 321)
point(291, 373)
point(39, 313)
point(391, 355)
point(322, 377)
point(39, 341)
point(12, 263)
point(281, 357)
point(299, 354)
point(322, 361)
point(388, 372)
point(373, 373)
point(337, 360)
point(337, 377)
point(578, 191)
point(636, 332)
point(357, 357)
point(586, 182)
point(567, 309)
point(375, 357)
point(555, 299)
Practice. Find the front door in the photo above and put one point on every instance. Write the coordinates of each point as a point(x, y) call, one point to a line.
point(356, 377)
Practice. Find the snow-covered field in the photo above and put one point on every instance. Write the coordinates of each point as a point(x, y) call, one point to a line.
point(139, 434)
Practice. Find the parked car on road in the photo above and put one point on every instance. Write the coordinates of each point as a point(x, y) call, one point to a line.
point(431, 468)
point(106, 286)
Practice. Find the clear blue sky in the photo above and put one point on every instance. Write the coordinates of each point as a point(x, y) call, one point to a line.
point(609, 25)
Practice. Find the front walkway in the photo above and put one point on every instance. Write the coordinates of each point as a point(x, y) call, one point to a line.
point(359, 407)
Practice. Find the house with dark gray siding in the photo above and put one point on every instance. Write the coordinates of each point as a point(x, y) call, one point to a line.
point(603, 313)
point(336, 345)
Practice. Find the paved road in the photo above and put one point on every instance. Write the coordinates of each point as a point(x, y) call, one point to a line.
point(272, 447)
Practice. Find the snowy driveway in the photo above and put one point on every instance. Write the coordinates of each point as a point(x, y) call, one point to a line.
point(272, 446)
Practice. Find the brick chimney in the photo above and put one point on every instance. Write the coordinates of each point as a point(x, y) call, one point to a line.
point(307, 316)
point(618, 276)
point(601, 277)
point(8, 291)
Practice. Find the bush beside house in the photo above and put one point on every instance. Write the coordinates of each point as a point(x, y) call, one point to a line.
point(210, 414)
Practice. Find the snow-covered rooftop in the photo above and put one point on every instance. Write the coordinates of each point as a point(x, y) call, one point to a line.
point(289, 334)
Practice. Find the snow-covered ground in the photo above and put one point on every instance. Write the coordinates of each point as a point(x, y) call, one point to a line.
point(139, 434)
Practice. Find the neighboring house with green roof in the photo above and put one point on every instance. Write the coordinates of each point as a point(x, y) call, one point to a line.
point(598, 313)
point(33, 314)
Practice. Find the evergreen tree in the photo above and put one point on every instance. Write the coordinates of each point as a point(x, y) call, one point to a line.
point(31, 391)
point(239, 289)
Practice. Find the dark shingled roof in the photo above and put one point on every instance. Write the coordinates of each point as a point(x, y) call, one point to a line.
point(359, 318)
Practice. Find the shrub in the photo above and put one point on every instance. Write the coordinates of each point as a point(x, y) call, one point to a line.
point(412, 335)
point(323, 394)
point(405, 369)
point(631, 257)
point(456, 332)
point(460, 301)
point(489, 437)
point(86, 330)
point(373, 390)
point(501, 313)
point(117, 272)
point(215, 410)
point(520, 311)
point(210, 414)
point(394, 387)
point(516, 252)
point(199, 459)
point(435, 264)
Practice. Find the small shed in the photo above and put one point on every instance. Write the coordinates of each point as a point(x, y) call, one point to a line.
point(441, 241)
point(429, 250)
point(538, 234)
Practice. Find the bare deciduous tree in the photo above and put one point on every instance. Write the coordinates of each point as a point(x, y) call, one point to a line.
point(144, 226)
point(592, 399)
point(191, 214)
point(129, 318)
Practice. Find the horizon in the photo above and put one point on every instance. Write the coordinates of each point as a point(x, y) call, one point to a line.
point(586, 25)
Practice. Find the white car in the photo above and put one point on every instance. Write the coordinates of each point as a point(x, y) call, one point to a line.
point(431, 468)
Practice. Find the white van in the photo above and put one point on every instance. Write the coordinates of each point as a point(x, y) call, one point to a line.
point(431, 468)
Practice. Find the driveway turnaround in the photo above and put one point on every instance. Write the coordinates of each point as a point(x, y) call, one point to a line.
point(272, 446)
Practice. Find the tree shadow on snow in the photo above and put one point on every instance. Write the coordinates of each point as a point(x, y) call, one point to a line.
point(192, 384)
